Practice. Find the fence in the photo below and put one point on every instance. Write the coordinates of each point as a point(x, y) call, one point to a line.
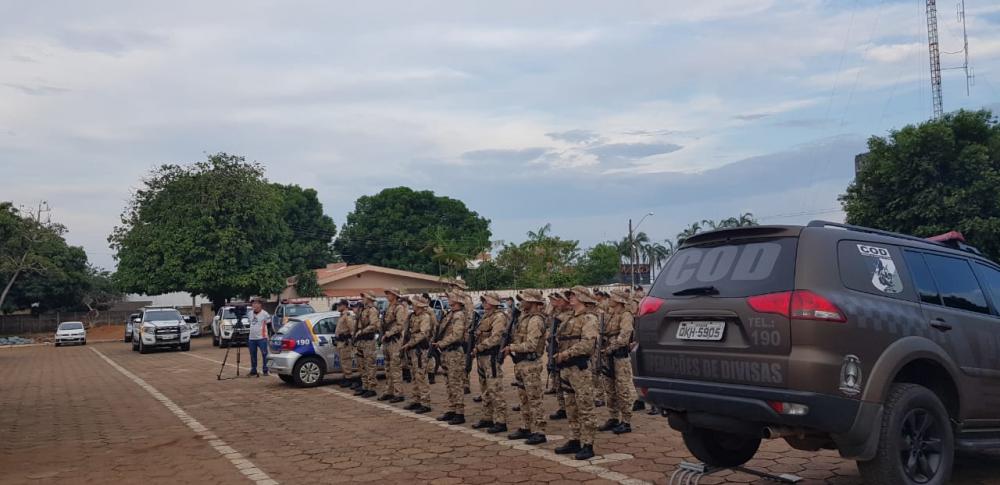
point(25, 324)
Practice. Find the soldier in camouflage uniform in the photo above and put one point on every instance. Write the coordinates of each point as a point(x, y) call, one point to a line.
point(395, 318)
point(489, 335)
point(561, 312)
point(416, 346)
point(346, 326)
point(603, 310)
point(458, 287)
point(449, 341)
point(617, 340)
point(527, 347)
point(364, 344)
point(577, 339)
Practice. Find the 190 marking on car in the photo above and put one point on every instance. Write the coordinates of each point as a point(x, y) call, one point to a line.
point(701, 330)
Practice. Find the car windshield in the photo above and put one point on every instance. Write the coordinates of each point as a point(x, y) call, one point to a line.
point(71, 326)
point(296, 310)
point(227, 314)
point(161, 315)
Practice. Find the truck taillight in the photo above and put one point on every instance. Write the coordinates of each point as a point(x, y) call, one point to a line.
point(649, 304)
point(287, 344)
point(798, 304)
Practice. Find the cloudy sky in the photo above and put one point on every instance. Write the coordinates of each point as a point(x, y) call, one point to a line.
point(578, 113)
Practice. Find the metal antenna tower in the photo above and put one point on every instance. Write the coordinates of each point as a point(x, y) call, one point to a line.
point(970, 76)
point(935, 54)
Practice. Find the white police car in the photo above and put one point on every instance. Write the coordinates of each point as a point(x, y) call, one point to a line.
point(304, 350)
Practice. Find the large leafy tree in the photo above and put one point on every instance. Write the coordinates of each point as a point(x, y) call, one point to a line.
point(38, 269)
point(412, 230)
point(216, 228)
point(542, 261)
point(931, 178)
point(599, 265)
point(308, 242)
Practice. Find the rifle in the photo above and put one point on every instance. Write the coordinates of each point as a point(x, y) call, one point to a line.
point(471, 340)
point(552, 346)
point(607, 363)
point(515, 315)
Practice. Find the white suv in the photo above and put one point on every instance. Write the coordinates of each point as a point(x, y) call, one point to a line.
point(223, 331)
point(160, 327)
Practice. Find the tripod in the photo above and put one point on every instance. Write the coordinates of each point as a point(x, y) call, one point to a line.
point(232, 341)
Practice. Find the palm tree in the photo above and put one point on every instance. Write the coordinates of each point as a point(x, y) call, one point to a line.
point(746, 219)
point(657, 254)
point(695, 228)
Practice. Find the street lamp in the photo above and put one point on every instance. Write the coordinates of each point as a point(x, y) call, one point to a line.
point(631, 243)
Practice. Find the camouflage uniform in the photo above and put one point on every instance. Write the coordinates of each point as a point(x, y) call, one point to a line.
point(419, 335)
point(395, 319)
point(346, 326)
point(603, 310)
point(469, 316)
point(449, 338)
point(364, 343)
point(617, 339)
point(527, 347)
point(563, 316)
point(577, 339)
point(489, 335)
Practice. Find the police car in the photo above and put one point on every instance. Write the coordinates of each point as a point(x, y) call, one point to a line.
point(289, 309)
point(304, 350)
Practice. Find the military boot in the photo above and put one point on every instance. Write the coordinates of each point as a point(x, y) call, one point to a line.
point(609, 425)
point(447, 416)
point(535, 439)
point(497, 428)
point(520, 434)
point(586, 452)
point(560, 414)
point(571, 446)
point(458, 419)
point(623, 428)
point(483, 423)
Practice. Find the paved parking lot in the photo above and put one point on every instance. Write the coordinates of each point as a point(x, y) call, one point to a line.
point(103, 413)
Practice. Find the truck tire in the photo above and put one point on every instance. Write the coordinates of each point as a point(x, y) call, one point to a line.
point(224, 342)
point(135, 345)
point(719, 448)
point(142, 348)
point(308, 372)
point(916, 440)
point(186, 347)
point(286, 378)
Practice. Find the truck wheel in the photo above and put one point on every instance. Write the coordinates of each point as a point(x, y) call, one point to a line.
point(224, 342)
point(307, 372)
point(286, 378)
point(215, 340)
point(135, 345)
point(916, 440)
point(719, 448)
point(185, 347)
point(142, 348)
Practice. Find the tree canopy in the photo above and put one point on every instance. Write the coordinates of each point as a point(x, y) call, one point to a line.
point(218, 228)
point(928, 179)
point(413, 230)
point(39, 270)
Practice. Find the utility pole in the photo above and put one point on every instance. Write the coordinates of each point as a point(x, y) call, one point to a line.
point(935, 58)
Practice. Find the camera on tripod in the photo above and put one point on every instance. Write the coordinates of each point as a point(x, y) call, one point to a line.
point(241, 330)
point(240, 312)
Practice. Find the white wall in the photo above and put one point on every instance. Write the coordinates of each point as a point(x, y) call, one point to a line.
point(169, 299)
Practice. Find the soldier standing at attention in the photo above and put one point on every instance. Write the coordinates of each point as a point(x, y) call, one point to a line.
point(489, 335)
point(346, 326)
point(617, 340)
point(395, 317)
point(416, 346)
point(603, 313)
point(577, 339)
point(526, 348)
point(449, 341)
point(365, 345)
point(561, 312)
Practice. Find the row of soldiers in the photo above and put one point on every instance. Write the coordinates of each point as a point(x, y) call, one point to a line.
point(586, 337)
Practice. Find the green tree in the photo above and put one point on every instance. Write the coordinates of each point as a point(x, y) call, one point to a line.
point(37, 267)
point(306, 284)
point(489, 276)
point(211, 228)
point(931, 178)
point(416, 231)
point(599, 265)
point(543, 261)
point(308, 241)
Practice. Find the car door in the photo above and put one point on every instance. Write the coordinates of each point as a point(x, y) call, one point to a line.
point(325, 330)
point(965, 325)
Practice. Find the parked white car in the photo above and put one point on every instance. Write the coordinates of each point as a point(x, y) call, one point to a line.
point(161, 327)
point(71, 332)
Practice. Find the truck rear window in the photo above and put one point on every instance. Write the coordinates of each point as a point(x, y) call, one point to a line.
point(730, 269)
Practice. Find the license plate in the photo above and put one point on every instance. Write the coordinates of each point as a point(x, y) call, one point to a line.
point(167, 337)
point(701, 330)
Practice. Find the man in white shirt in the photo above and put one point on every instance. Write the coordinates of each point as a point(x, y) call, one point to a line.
point(258, 319)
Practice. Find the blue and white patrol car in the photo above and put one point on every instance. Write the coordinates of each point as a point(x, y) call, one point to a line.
point(304, 350)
